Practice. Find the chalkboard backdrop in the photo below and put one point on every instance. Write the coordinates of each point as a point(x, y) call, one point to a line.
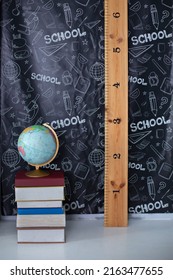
point(150, 106)
point(52, 70)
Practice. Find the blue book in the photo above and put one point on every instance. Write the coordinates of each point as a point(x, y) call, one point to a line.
point(40, 211)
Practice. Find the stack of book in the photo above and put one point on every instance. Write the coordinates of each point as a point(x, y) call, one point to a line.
point(40, 213)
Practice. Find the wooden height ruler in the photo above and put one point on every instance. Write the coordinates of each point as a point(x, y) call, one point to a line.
point(116, 113)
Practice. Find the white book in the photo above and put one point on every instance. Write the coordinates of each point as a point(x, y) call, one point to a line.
point(40, 235)
point(39, 193)
point(48, 220)
point(39, 204)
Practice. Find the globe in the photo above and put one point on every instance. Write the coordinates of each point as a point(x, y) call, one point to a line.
point(96, 157)
point(97, 71)
point(38, 145)
point(11, 70)
point(10, 158)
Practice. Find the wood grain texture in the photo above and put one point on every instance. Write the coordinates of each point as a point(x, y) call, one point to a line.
point(116, 113)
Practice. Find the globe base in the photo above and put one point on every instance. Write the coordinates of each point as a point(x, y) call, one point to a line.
point(37, 173)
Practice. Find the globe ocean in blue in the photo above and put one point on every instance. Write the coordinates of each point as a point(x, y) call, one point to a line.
point(37, 145)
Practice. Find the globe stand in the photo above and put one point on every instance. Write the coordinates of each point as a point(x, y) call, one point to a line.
point(37, 173)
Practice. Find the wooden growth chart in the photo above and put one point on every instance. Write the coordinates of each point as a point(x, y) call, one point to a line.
point(116, 113)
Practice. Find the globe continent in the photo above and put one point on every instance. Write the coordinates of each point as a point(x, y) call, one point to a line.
point(37, 145)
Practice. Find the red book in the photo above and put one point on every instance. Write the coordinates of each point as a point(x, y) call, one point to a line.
point(55, 178)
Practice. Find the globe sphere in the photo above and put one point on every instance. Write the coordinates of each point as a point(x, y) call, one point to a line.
point(11, 70)
point(38, 145)
point(96, 157)
point(10, 157)
point(97, 71)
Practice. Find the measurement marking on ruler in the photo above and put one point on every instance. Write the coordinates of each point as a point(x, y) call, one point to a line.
point(116, 114)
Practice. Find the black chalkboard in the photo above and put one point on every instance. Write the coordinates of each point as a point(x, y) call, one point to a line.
point(52, 70)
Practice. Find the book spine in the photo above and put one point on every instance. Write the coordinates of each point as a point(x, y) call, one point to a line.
point(54, 179)
point(41, 216)
point(40, 204)
point(50, 220)
point(40, 211)
point(39, 187)
point(41, 235)
point(39, 193)
point(21, 183)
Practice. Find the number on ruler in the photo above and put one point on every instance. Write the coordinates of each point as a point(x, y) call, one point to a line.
point(116, 15)
point(117, 85)
point(117, 50)
point(117, 121)
point(117, 156)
